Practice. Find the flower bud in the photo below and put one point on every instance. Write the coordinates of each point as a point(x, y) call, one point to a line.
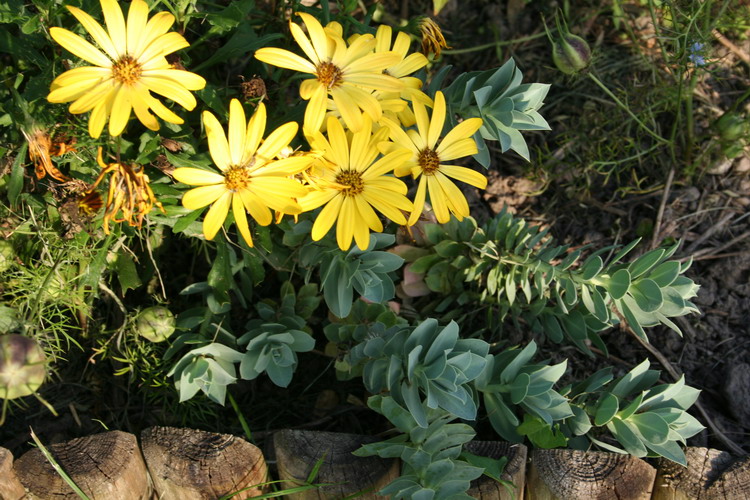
point(22, 366)
point(570, 53)
point(155, 323)
point(731, 126)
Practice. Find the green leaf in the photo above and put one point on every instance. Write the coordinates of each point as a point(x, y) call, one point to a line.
point(15, 184)
point(625, 250)
point(541, 434)
point(619, 283)
point(670, 450)
point(519, 388)
point(627, 437)
point(579, 423)
point(591, 267)
point(665, 273)
point(651, 426)
point(127, 274)
point(184, 222)
point(647, 295)
point(645, 262)
point(606, 409)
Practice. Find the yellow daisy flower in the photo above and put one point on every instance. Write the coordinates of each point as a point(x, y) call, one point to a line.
point(348, 74)
point(131, 67)
point(251, 180)
point(351, 183)
point(428, 157)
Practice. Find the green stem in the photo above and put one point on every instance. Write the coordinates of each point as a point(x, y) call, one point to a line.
point(625, 108)
point(240, 417)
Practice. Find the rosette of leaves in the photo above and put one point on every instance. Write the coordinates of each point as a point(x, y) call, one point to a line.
point(645, 420)
point(510, 382)
point(497, 96)
point(274, 339)
point(524, 275)
point(428, 359)
point(209, 369)
point(366, 271)
point(431, 455)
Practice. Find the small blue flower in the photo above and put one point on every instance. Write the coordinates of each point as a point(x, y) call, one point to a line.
point(695, 54)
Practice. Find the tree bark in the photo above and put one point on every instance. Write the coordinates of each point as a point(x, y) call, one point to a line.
point(189, 464)
point(104, 466)
point(10, 487)
point(486, 488)
point(710, 474)
point(573, 474)
point(298, 451)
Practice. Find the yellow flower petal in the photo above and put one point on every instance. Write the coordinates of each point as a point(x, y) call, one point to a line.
point(240, 218)
point(87, 101)
point(236, 132)
point(303, 42)
point(327, 217)
point(121, 107)
point(163, 45)
point(419, 199)
point(368, 215)
point(136, 25)
point(359, 147)
point(96, 31)
point(465, 175)
point(186, 79)
point(160, 109)
point(348, 108)
point(254, 133)
point(437, 199)
point(437, 122)
point(284, 59)
point(317, 36)
point(98, 118)
point(387, 163)
point(315, 111)
point(74, 83)
point(170, 90)
point(454, 197)
point(216, 215)
point(314, 199)
point(203, 196)
point(197, 177)
point(345, 225)
point(141, 109)
point(115, 25)
point(383, 201)
point(465, 129)
point(80, 47)
point(308, 87)
point(375, 81)
point(288, 166)
point(364, 100)
point(256, 208)
point(277, 140)
point(458, 149)
point(156, 26)
point(217, 141)
point(339, 152)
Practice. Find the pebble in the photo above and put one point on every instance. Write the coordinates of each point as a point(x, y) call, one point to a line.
point(737, 391)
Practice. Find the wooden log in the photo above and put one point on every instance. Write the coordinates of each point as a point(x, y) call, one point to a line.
point(105, 466)
point(486, 488)
point(709, 473)
point(589, 475)
point(188, 464)
point(297, 452)
point(10, 487)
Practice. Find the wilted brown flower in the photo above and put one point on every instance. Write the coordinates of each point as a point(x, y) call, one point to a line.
point(41, 151)
point(129, 193)
point(433, 40)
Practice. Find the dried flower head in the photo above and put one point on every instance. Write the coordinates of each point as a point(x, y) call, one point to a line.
point(433, 40)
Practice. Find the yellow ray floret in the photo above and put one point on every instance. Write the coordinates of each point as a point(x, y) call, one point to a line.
point(346, 73)
point(351, 182)
point(428, 157)
point(250, 180)
point(129, 66)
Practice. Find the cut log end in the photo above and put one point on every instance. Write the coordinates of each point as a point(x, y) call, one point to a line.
point(486, 488)
point(191, 464)
point(298, 451)
point(709, 474)
point(104, 466)
point(569, 474)
point(10, 487)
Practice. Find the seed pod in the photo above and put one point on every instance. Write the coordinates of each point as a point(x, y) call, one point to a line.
point(22, 366)
point(155, 323)
point(570, 53)
point(731, 126)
